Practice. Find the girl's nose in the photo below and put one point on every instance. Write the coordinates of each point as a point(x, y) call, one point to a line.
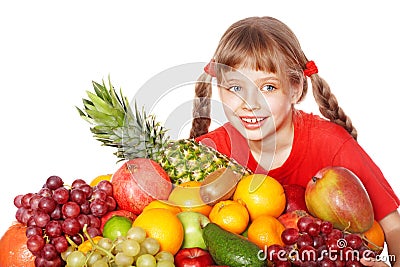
point(252, 99)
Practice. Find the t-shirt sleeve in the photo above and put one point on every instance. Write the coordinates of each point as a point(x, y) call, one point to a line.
point(353, 157)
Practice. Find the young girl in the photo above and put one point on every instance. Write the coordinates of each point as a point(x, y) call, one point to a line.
point(262, 73)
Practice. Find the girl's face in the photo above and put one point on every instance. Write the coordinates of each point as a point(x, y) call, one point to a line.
point(256, 103)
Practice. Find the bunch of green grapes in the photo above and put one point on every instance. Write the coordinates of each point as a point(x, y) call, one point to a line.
point(134, 249)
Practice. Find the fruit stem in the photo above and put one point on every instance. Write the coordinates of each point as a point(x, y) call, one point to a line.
point(94, 245)
point(314, 179)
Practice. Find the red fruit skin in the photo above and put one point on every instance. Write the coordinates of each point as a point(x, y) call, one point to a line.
point(193, 257)
point(138, 182)
point(113, 213)
point(295, 197)
point(289, 219)
point(337, 195)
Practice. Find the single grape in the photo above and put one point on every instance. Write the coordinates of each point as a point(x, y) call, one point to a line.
point(303, 223)
point(35, 243)
point(354, 241)
point(76, 259)
point(105, 243)
point(111, 203)
point(146, 260)
point(65, 253)
point(313, 229)
point(93, 257)
point(49, 252)
point(85, 207)
point(93, 231)
point(335, 233)
point(54, 182)
point(70, 209)
point(136, 233)
point(71, 226)
point(165, 264)
point(94, 221)
point(87, 189)
point(151, 245)
point(33, 230)
point(18, 201)
point(57, 213)
point(77, 195)
point(122, 259)
point(165, 256)
point(276, 252)
point(130, 247)
point(78, 183)
point(101, 263)
point(289, 236)
point(78, 239)
point(60, 243)
point(106, 186)
point(99, 194)
point(41, 218)
point(47, 204)
point(45, 192)
point(98, 207)
point(34, 201)
point(326, 227)
point(54, 229)
point(61, 195)
point(25, 200)
point(318, 241)
point(304, 240)
point(83, 219)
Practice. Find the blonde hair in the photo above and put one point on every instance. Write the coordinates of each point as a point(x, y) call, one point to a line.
point(266, 44)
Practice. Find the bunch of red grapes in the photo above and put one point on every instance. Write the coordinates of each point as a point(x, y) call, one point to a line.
point(58, 212)
point(317, 243)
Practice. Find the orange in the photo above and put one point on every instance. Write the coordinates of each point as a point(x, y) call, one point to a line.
point(99, 178)
point(375, 236)
point(163, 204)
point(268, 198)
point(187, 197)
point(164, 226)
point(230, 215)
point(13, 249)
point(265, 230)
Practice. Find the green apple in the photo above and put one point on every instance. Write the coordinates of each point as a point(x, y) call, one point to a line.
point(193, 224)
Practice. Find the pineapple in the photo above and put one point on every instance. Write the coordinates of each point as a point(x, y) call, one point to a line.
point(137, 135)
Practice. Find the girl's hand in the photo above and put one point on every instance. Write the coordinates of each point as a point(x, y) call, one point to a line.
point(373, 262)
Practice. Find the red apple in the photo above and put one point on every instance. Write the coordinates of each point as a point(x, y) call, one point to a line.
point(295, 197)
point(337, 195)
point(289, 219)
point(193, 257)
point(113, 213)
point(138, 182)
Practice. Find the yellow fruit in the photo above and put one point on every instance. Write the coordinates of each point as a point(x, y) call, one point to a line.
point(265, 230)
point(164, 204)
point(230, 215)
point(375, 236)
point(86, 246)
point(267, 199)
point(164, 226)
point(99, 178)
point(187, 197)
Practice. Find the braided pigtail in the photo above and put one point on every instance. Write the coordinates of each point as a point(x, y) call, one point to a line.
point(328, 105)
point(202, 106)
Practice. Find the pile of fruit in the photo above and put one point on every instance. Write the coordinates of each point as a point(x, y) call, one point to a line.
point(180, 203)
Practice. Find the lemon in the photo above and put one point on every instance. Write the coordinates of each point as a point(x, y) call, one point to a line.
point(116, 226)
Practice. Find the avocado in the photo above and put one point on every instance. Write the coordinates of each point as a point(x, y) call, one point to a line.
point(230, 249)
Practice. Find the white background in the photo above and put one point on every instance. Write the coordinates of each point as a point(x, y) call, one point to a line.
point(50, 51)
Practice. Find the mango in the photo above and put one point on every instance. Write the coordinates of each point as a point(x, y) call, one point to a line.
point(337, 195)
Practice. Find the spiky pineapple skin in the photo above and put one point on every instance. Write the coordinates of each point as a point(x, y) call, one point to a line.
point(137, 135)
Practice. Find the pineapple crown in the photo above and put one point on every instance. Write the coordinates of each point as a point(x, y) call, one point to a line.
point(115, 124)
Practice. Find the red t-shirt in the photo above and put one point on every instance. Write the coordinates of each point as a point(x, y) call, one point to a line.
point(317, 143)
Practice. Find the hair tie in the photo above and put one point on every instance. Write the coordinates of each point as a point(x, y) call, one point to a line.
point(311, 68)
point(210, 68)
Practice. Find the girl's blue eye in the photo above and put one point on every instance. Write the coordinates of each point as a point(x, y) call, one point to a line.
point(235, 88)
point(268, 88)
